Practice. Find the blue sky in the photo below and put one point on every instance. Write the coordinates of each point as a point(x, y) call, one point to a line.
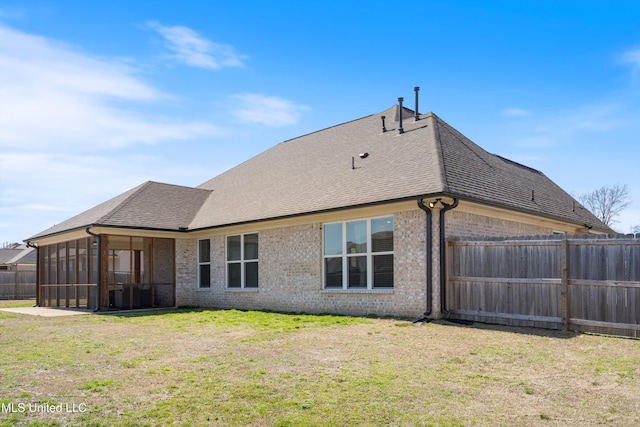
point(98, 97)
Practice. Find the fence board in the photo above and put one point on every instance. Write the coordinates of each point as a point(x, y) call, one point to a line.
point(17, 284)
point(589, 283)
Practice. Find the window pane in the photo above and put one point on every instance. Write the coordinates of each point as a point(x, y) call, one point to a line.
point(234, 275)
point(204, 250)
point(357, 237)
point(205, 276)
point(382, 234)
point(357, 271)
point(333, 272)
point(251, 246)
point(251, 275)
point(383, 271)
point(333, 239)
point(233, 248)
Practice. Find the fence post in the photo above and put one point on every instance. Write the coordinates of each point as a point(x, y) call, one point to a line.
point(564, 283)
point(15, 294)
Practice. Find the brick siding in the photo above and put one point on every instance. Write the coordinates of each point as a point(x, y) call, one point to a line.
point(290, 269)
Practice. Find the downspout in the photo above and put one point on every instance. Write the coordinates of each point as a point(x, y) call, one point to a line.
point(33, 245)
point(443, 254)
point(98, 265)
point(429, 274)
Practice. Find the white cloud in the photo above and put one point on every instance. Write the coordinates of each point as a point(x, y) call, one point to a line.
point(56, 97)
point(196, 51)
point(515, 112)
point(267, 110)
point(68, 123)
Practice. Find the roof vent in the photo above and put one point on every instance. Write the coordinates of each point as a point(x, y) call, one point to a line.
point(400, 129)
point(417, 115)
point(384, 128)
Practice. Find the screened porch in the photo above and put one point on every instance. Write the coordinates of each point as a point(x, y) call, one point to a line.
point(108, 272)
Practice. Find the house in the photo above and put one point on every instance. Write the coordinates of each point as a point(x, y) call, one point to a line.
point(16, 256)
point(350, 219)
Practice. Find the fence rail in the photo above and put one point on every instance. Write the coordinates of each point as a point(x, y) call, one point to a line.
point(567, 282)
point(17, 284)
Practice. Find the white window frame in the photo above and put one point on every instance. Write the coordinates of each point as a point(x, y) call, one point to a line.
point(242, 261)
point(201, 263)
point(345, 256)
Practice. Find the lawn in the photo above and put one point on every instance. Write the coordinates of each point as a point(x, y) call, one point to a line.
point(191, 367)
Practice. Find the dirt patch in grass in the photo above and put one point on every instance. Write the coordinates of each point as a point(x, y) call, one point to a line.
point(229, 367)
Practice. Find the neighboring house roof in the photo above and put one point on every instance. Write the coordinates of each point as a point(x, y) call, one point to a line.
point(313, 173)
point(151, 205)
point(17, 254)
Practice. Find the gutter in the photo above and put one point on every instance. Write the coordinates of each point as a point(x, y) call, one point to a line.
point(443, 254)
point(578, 223)
point(98, 266)
point(428, 266)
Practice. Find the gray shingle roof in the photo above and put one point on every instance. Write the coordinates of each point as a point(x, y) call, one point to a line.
point(315, 172)
point(17, 255)
point(151, 205)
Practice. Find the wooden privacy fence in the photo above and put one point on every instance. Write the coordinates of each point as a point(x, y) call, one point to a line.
point(585, 283)
point(17, 284)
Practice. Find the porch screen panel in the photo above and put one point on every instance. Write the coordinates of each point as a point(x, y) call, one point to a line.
point(163, 272)
point(82, 261)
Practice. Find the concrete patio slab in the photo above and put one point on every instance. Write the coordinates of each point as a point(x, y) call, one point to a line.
point(47, 311)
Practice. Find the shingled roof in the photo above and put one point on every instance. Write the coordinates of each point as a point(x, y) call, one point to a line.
point(323, 171)
point(314, 173)
point(151, 205)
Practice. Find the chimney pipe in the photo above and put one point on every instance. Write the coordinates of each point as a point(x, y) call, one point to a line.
point(417, 116)
point(384, 128)
point(400, 130)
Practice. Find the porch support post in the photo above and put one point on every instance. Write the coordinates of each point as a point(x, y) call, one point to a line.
point(103, 274)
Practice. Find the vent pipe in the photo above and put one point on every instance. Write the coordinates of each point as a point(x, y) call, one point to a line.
point(400, 130)
point(384, 128)
point(417, 115)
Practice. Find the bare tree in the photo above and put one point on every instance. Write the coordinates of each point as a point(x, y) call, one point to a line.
point(607, 202)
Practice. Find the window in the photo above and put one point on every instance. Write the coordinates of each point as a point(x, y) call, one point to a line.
point(242, 261)
point(359, 254)
point(204, 263)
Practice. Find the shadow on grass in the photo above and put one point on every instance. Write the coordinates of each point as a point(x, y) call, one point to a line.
point(525, 330)
point(192, 309)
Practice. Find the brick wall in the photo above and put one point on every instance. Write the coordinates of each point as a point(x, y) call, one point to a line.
point(290, 268)
point(460, 223)
point(290, 274)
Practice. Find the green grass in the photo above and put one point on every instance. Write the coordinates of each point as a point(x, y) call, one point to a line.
point(192, 367)
point(17, 303)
